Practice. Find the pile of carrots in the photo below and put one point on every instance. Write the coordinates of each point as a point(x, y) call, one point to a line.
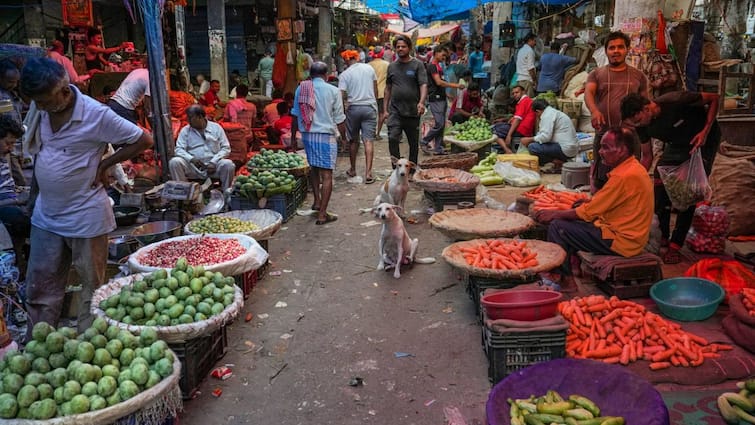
point(546, 199)
point(446, 179)
point(748, 299)
point(616, 331)
point(500, 255)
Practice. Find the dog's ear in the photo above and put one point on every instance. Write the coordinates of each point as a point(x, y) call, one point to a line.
point(412, 165)
point(397, 208)
point(394, 160)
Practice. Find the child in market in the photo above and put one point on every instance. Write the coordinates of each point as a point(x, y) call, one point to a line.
point(13, 214)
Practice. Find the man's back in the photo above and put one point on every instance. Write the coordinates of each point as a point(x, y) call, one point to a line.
point(552, 69)
point(358, 81)
point(133, 89)
point(380, 66)
point(525, 60)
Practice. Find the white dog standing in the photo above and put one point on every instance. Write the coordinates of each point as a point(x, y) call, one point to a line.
point(395, 246)
point(394, 189)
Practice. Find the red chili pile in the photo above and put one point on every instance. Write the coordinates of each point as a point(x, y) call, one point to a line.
point(200, 251)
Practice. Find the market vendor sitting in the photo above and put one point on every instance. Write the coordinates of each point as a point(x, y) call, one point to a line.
point(469, 105)
point(556, 138)
point(522, 124)
point(616, 221)
point(201, 150)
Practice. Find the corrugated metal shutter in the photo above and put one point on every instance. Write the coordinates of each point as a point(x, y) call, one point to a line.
point(198, 48)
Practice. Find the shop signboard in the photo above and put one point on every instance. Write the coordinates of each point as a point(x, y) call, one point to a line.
point(77, 13)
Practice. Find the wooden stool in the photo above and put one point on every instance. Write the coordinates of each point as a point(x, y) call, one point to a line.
point(628, 278)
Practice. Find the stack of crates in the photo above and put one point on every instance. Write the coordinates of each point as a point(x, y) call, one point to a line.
point(441, 199)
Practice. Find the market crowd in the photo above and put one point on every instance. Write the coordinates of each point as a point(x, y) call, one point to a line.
point(81, 145)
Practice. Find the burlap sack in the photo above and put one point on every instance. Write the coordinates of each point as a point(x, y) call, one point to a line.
point(740, 333)
point(733, 184)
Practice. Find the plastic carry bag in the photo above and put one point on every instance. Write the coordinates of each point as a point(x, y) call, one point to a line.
point(516, 176)
point(686, 184)
point(709, 228)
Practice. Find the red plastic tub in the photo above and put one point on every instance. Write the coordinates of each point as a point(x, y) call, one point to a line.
point(524, 305)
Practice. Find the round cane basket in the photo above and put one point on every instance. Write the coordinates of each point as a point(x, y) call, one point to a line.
point(296, 172)
point(159, 402)
point(549, 256)
point(462, 161)
point(475, 223)
point(268, 222)
point(432, 180)
point(170, 334)
point(469, 145)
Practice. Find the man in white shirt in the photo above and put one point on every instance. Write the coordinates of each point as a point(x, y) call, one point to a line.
point(201, 150)
point(130, 94)
point(556, 138)
point(526, 74)
point(71, 215)
point(358, 84)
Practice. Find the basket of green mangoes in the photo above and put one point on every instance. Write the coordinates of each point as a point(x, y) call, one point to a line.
point(96, 377)
point(295, 164)
point(263, 183)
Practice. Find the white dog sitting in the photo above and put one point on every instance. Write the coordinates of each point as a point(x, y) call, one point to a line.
point(394, 190)
point(395, 247)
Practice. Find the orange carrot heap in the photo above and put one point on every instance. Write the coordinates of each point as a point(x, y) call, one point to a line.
point(500, 255)
point(546, 199)
point(748, 299)
point(616, 331)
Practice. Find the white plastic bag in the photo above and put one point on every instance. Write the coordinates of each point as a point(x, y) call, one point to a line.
point(516, 176)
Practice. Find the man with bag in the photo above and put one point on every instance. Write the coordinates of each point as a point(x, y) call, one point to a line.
point(686, 123)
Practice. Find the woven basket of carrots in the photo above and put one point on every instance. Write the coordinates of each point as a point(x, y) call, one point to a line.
point(504, 258)
point(445, 180)
point(547, 199)
point(475, 223)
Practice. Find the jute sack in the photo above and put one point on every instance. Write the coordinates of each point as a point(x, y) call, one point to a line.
point(733, 184)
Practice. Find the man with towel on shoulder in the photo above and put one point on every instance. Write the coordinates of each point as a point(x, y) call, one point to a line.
point(318, 109)
point(616, 221)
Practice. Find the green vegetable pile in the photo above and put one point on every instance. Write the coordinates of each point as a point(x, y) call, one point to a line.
point(474, 128)
point(275, 159)
point(554, 409)
point(189, 295)
point(549, 97)
point(484, 170)
point(221, 224)
point(60, 373)
point(265, 183)
point(739, 407)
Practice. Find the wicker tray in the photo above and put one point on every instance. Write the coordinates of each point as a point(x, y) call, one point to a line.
point(170, 334)
point(268, 222)
point(466, 181)
point(469, 145)
point(164, 399)
point(549, 255)
point(462, 161)
point(474, 223)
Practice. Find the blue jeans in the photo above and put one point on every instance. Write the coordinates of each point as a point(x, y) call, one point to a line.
point(547, 152)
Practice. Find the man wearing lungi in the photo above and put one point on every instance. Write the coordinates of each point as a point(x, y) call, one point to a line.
point(318, 109)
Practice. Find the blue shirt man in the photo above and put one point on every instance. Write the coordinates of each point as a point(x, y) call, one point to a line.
point(552, 69)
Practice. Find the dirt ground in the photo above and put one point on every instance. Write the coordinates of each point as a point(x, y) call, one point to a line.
point(334, 341)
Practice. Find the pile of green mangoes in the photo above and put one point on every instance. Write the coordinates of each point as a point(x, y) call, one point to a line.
point(189, 294)
point(475, 128)
point(263, 183)
point(275, 159)
point(60, 373)
point(221, 224)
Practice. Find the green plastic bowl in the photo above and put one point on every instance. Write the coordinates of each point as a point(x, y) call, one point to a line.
point(687, 298)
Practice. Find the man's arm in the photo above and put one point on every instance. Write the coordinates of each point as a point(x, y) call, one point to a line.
point(387, 97)
point(646, 158)
point(422, 98)
point(546, 216)
point(126, 152)
point(710, 99)
point(598, 121)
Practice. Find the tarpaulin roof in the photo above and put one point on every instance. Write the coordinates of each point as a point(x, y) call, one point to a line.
point(424, 32)
point(425, 11)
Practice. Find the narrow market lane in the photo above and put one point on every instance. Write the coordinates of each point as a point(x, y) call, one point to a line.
point(330, 318)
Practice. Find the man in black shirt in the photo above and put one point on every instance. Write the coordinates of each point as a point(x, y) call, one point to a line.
point(404, 98)
point(685, 122)
point(436, 99)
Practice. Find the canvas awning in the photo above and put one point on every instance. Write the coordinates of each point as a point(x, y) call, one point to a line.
point(424, 32)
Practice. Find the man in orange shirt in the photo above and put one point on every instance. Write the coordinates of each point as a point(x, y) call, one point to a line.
point(616, 221)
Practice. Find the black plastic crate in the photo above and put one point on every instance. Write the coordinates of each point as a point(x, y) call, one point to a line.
point(300, 191)
point(285, 204)
point(508, 353)
point(198, 356)
point(439, 199)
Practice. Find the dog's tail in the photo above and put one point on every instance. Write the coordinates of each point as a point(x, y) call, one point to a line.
point(425, 260)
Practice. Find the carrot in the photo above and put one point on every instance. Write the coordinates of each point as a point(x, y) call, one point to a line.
point(613, 350)
point(624, 359)
point(663, 355)
point(659, 365)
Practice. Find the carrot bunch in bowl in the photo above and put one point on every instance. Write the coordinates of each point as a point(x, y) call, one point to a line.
point(500, 255)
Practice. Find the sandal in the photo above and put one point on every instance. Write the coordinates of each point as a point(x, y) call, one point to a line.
point(328, 219)
point(351, 174)
point(315, 208)
point(672, 256)
point(369, 180)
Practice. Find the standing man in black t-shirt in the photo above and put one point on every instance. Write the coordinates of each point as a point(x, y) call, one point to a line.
point(436, 99)
point(685, 122)
point(404, 99)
